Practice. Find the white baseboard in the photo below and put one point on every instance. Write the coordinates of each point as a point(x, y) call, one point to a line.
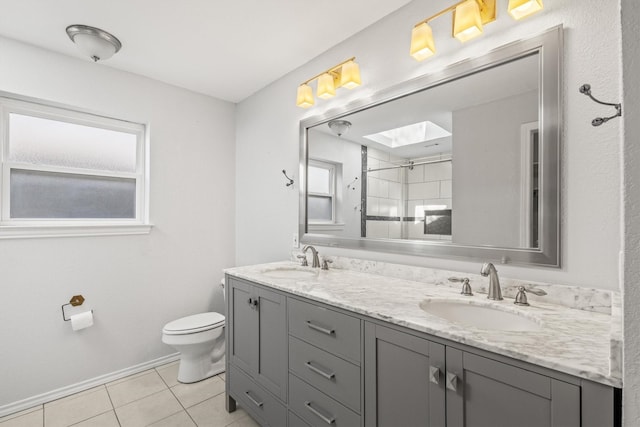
point(49, 396)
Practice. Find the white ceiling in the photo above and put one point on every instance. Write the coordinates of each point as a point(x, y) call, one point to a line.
point(227, 49)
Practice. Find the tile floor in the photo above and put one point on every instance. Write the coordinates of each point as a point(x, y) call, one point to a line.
point(150, 398)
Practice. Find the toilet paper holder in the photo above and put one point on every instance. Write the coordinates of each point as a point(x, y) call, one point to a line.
point(75, 301)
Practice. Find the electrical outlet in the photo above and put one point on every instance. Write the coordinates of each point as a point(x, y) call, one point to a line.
point(294, 241)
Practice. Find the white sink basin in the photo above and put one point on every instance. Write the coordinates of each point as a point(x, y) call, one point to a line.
point(291, 273)
point(478, 315)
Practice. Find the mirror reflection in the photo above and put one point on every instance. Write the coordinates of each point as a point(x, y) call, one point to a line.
point(455, 163)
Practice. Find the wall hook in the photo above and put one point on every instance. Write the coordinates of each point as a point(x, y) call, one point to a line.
point(290, 180)
point(586, 89)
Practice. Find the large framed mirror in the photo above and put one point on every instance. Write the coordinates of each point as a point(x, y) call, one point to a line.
point(462, 163)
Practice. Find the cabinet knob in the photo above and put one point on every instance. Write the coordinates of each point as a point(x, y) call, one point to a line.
point(253, 302)
point(452, 381)
point(434, 374)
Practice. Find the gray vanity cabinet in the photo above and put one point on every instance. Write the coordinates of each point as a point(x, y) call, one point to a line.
point(412, 381)
point(295, 362)
point(404, 379)
point(485, 392)
point(257, 350)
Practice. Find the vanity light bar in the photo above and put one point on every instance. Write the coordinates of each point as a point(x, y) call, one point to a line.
point(345, 74)
point(469, 17)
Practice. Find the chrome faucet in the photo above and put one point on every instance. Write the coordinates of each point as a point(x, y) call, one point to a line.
point(488, 269)
point(316, 260)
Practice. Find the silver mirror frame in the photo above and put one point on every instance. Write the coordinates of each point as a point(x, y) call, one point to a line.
point(549, 45)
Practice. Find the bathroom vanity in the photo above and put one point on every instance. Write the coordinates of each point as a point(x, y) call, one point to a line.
point(307, 347)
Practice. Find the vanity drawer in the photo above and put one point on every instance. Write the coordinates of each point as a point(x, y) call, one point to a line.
point(296, 421)
point(326, 372)
point(318, 409)
point(256, 400)
point(335, 332)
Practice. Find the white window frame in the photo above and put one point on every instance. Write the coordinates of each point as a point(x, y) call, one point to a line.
point(18, 228)
point(331, 167)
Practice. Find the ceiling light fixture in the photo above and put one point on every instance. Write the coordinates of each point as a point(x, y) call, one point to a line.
point(345, 74)
point(339, 127)
point(469, 18)
point(94, 42)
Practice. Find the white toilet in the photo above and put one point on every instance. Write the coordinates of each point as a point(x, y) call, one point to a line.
point(200, 340)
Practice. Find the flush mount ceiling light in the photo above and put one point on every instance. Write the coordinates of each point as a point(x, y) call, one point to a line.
point(469, 18)
point(339, 127)
point(94, 42)
point(346, 74)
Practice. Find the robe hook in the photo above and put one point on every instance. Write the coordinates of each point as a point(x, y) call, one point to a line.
point(290, 180)
point(586, 89)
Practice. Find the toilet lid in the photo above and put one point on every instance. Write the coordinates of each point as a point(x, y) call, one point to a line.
point(195, 323)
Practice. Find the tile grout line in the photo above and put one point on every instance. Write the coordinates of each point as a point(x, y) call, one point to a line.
point(183, 408)
point(113, 406)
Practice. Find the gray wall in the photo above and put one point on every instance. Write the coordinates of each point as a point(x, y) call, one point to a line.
point(268, 134)
point(631, 179)
point(135, 284)
point(487, 170)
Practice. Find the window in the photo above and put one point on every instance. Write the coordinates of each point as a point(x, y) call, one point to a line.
point(321, 191)
point(68, 172)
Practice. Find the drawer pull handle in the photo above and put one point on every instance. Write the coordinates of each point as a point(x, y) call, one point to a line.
point(321, 329)
point(328, 420)
point(327, 375)
point(254, 401)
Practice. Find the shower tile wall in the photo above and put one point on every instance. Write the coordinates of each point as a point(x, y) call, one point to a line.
point(428, 187)
point(384, 195)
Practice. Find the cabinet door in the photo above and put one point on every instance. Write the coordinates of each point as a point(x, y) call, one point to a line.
point(404, 379)
point(242, 324)
point(484, 392)
point(273, 352)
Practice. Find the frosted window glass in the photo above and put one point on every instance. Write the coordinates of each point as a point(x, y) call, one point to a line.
point(36, 194)
point(319, 208)
point(319, 180)
point(40, 141)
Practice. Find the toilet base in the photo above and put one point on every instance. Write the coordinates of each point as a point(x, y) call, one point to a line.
point(193, 371)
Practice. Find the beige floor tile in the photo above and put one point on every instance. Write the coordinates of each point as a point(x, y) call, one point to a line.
point(20, 413)
point(32, 418)
point(211, 413)
point(169, 373)
point(244, 422)
point(191, 394)
point(108, 419)
point(181, 419)
point(222, 376)
point(148, 410)
point(78, 407)
point(135, 387)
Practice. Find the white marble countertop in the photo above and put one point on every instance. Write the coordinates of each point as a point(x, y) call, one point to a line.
point(576, 342)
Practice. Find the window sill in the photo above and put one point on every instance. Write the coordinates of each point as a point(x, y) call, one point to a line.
point(39, 231)
point(329, 226)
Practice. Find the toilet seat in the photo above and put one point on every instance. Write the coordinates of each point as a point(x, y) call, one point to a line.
point(193, 324)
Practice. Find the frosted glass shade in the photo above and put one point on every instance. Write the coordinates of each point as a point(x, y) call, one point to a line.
point(422, 43)
point(519, 9)
point(350, 75)
point(94, 47)
point(94, 42)
point(467, 22)
point(305, 96)
point(326, 88)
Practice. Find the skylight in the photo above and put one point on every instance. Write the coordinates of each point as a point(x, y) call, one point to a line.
point(410, 134)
